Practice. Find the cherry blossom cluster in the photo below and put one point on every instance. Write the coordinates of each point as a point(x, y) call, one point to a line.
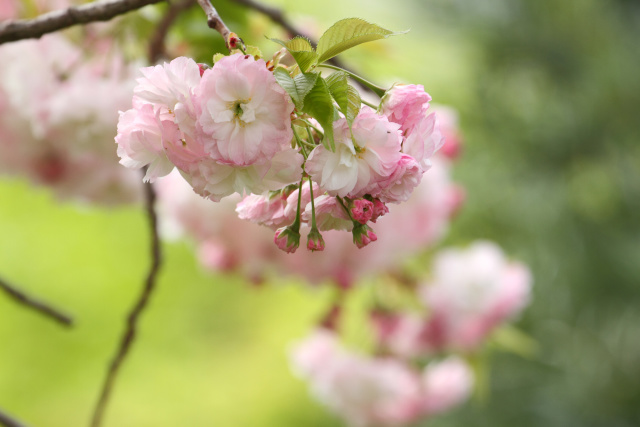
point(56, 125)
point(471, 292)
point(226, 243)
point(417, 368)
point(300, 147)
point(378, 390)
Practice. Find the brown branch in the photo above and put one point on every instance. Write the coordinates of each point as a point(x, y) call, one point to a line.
point(132, 320)
point(275, 14)
point(34, 304)
point(101, 10)
point(215, 21)
point(7, 421)
point(157, 48)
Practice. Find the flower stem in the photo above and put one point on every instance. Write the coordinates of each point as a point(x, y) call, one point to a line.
point(345, 208)
point(313, 206)
point(299, 142)
point(368, 104)
point(296, 223)
point(376, 89)
point(318, 131)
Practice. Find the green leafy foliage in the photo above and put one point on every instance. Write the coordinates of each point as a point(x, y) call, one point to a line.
point(297, 87)
point(346, 34)
point(301, 50)
point(345, 95)
point(319, 105)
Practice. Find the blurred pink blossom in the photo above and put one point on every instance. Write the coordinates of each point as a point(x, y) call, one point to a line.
point(56, 127)
point(377, 391)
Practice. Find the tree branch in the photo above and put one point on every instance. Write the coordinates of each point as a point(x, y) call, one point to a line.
point(276, 15)
point(7, 421)
point(132, 320)
point(157, 48)
point(101, 10)
point(34, 304)
point(214, 21)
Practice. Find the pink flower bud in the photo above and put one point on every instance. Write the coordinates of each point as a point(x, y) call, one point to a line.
point(315, 242)
point(379, 209)
point(202, 67)
point(287, 239)
point(362, 210)
point(234, 41)
point(363, 235)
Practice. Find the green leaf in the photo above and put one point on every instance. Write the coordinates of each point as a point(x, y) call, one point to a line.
point(319, 105)
point(345, 95)
point(253, 51)
point(301, 50)
point(297, 87)
point(217, 57)
point(348, 33)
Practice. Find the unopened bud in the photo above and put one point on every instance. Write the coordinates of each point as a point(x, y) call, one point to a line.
point(315, 242)
point(363, 235)
point(202, 68)
point(362, 210)
point(234, 41)
point(287, 239)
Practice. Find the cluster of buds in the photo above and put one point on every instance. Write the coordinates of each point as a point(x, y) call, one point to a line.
point(301, 147)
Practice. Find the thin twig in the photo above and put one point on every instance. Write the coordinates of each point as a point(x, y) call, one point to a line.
point(102, 10)
point(157, 48)
point(34, 304)
point(7, 421)
point(214, 21)
point(275, 15)
point(132, 320)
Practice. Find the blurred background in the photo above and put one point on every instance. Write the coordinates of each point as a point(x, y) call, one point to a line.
point(548, 95)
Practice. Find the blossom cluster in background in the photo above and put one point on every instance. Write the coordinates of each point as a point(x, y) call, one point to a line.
point(58, 110)
point(417, 368)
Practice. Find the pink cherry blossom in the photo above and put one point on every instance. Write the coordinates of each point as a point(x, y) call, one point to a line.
point(423, 141)
point(265, 209)
point(167, 85)
point(364, 391)
point(56, 128)
point(365, 154)
point(215, 180)
point(243, 114)
point(362, 210)
point(399, 186)
point(446, 383)
point(405, 105)
point(472, 292)
point(139, 142)
point(377, 391)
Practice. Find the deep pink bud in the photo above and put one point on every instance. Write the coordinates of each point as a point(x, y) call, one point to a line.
point(315, 242)
point(379, 209)
point(287, 239)
point(362, 210)
point(202, 67)
point(363, 235)
point(234, 41)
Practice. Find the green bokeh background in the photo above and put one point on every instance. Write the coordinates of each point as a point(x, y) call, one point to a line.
point(549, 99)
